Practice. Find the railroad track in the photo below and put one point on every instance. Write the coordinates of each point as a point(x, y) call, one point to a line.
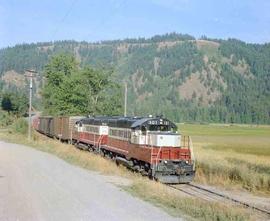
point(214, 196)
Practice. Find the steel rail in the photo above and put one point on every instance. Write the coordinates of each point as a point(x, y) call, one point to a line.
point(264, 211)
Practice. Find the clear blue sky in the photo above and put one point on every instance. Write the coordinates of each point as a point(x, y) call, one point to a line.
point(93, 20)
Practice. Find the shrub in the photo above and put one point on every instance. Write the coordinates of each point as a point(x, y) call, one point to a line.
point(20, 126)
point(6, 119)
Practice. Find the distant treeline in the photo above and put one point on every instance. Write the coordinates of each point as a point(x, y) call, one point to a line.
point(234, 75)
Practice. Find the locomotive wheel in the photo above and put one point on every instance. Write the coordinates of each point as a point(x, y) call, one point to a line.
point(150, 174)
point(103, 153)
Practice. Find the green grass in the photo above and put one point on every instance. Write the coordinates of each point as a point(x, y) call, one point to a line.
point(243, 148)
point(20, 125)
point(233, 156)
point(6, 119)
point(224, 130)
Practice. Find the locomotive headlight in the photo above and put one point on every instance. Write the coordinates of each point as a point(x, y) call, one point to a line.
point(165, 161)
point(186, 162)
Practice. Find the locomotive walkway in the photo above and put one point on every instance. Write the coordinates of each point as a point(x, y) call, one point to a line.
point(39, 186)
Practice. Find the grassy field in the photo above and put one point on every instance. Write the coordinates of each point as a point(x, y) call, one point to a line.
point(233, 156)
point(151, 191)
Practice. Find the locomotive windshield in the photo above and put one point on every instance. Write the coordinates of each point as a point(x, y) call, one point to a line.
point(153, 124)
point(159, 128)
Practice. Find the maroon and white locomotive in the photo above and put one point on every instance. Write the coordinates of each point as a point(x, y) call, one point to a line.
point(150, 145)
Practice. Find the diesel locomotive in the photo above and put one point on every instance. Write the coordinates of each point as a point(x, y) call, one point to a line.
point(149, 145)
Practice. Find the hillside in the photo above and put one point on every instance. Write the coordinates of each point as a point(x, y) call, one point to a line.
point(176, 75)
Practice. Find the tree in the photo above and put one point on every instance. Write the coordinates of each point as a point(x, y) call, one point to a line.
point(15, 103)
point(70, 90)
point(7, 103)
point(60, 67)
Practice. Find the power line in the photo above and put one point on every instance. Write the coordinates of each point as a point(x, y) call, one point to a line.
point(105, 20)
point(64, 18)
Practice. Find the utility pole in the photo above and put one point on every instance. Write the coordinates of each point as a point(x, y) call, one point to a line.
point(30, 74)
point(125, 111)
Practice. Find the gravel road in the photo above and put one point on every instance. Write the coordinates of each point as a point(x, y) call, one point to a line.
point(39, 186)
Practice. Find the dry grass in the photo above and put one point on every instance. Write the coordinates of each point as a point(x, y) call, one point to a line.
point(232, 156)
point(156, 193)
point(177, 205)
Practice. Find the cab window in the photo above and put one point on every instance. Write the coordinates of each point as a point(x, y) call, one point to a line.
point(143, 130)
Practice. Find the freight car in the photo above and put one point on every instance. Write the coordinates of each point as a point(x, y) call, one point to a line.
point(149, 145)
point(46, 126)
point(63, 127)
point(56, 127)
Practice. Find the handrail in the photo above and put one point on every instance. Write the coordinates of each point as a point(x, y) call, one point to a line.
point(192, 157)
point(152, 148)
point(158, 155)
point(99, 142)
point(185, 142)
point(151, 144)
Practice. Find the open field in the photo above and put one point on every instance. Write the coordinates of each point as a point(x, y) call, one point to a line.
point(235, 156)
point(141, 187)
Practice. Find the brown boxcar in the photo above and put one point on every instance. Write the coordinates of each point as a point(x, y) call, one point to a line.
point(46, 125)
point(64, 127)
point(57, 127)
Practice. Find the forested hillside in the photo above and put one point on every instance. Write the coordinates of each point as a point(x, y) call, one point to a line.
point(176, 75)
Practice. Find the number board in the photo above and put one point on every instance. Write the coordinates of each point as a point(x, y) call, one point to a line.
point(158, 122)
